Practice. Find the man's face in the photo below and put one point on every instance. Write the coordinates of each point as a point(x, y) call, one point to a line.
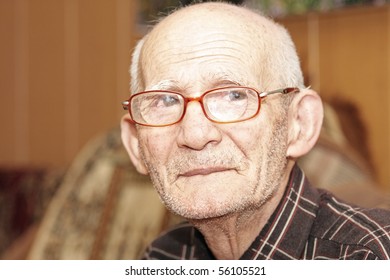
point(203, 169)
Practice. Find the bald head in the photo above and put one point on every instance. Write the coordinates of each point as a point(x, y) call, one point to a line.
point(243, 46)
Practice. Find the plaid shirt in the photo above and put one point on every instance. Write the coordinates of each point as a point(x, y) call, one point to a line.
point(308, 224)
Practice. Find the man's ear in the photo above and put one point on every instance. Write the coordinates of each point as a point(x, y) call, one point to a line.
point(130, 140)
point(305, 122)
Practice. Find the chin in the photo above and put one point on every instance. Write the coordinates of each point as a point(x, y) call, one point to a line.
point(193, 210)
point(195, 201)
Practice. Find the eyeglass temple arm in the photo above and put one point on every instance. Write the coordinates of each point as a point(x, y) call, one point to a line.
point(125, 105)
point(281, 90)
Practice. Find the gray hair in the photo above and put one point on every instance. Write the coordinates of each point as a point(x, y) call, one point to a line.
point(136, 80)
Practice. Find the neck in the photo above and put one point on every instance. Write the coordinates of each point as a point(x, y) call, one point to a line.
point(228, 237)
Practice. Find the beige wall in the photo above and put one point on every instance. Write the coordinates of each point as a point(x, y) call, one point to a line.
point(347, 53)
point(63, 73)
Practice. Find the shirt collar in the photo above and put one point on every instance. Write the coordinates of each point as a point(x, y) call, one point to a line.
point(286, 233)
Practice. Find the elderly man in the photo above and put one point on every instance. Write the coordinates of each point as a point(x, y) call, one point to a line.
point(218, 117)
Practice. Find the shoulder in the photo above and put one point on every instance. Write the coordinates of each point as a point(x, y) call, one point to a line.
point(357, 231)
point(170, 244)
point(180, 243)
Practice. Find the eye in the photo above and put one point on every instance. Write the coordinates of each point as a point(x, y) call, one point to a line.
point(167, 100)
point(237, 95)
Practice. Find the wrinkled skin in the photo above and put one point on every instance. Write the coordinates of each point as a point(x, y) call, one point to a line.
point(226, 179)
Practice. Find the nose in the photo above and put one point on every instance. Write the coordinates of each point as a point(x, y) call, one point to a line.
point(196, 131)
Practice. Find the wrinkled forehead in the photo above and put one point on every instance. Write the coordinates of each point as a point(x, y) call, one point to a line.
point(230, 37)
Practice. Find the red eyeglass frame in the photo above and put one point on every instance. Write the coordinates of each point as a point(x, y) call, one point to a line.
point(261, 95)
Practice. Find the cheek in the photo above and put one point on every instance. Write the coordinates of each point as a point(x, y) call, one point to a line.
point(259, 140)
point(156, 144)
point(248, 137)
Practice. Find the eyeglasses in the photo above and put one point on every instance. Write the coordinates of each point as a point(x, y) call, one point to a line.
point(221, 105)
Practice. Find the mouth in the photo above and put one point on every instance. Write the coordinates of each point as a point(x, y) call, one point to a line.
point(204, 171)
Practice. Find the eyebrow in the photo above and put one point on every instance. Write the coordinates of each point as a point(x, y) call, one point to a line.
point(224, 78)
point(212, 80)
point(169, 84)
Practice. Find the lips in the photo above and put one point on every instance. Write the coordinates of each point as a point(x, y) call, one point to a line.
point(204, 171)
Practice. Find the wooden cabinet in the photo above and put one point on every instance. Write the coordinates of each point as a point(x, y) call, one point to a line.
point(63, 75)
